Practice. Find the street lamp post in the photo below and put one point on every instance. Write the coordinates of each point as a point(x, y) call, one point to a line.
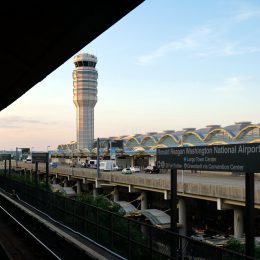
point(110, 149)
point(48, 146)
point(16, 157)
point(98, 169)
point(72, 164)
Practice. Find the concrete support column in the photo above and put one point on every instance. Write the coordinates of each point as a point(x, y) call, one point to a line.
point(144, 200)
point(31, 175)
point(65, 183)
point(78, 186)
point(54, 180)
point(182, 217)
point(95, 192)
point(116, 194)
point(238, 223)
point(132, 161)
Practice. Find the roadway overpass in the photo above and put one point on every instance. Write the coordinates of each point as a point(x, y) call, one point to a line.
point(223, 189)
point(210, 186)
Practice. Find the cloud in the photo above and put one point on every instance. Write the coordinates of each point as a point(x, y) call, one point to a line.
point(227, 49)
point(203, 42)
point(212, 39)
point(189, 42)
point(17, 122)
point(245, 15)
point(232, 85)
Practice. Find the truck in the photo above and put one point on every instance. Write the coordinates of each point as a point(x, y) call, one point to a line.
point(107, 165)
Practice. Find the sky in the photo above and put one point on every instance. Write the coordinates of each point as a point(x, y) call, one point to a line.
point(167, 65)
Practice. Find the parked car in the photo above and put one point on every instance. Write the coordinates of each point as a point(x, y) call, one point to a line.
point(152, 169)
point(127, 171)
point(135, 169)
point(53, 164)
point(83, 165)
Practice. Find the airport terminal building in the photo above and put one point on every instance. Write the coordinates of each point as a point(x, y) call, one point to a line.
point(140, 149)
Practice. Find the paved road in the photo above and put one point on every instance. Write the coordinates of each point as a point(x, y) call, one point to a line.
point(204, 184)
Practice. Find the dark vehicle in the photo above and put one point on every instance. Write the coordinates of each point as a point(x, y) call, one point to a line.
point(83, 165)
point(151, 169)
point(53, 164)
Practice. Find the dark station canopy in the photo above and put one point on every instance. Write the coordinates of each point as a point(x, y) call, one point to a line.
point(38, 37)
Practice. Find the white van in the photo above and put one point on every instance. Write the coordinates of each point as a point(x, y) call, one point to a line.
point(29, 159)
point(107, 165)
point(92, 164)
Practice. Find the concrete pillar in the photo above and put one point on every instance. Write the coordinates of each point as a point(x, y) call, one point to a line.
point(31, 175)
point(132, 161)
point(116, 194)
point(78, 186)
point(144, 200)
point(95, 192)
point(238, 223)
point(54, 180)
point(182, 217)
point(65, 183)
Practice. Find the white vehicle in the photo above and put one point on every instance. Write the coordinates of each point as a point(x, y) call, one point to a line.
point(92, 164)
point(127, 171)
point(29, 159)
point(108, 166)
point(135, 169)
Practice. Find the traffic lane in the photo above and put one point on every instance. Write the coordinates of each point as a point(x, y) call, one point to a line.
point(210, 178)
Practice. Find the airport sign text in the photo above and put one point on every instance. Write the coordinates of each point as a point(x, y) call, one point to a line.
point(230, 158)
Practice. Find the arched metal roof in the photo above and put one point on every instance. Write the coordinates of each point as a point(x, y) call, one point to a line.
point(172, 139)
point(202, 132)
point(157, 217)
point(217, 130)
point(237, 127)
point(148, 141)
point(127, 208)
point(212, 134)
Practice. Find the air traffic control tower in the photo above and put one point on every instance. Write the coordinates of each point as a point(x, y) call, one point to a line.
point(85, 97)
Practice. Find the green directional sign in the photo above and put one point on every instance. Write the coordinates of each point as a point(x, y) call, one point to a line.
point(229, 158)
point(40, 157)
point(5, 156)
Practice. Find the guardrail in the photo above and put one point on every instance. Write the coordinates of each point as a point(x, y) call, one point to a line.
point(129, 238)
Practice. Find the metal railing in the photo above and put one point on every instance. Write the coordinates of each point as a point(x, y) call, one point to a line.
point(129, 238)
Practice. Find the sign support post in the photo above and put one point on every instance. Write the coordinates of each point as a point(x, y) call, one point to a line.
point(6, 157)
point(42, 158)
point(47, 172)
point(98, 169)
point(10, 166)
point(36, 173)
point(5, 167)
point(174, 212)
point(174, 200)
point(250, 214)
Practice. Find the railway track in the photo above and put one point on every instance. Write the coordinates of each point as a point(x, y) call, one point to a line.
point(17, 242)
point(23, 237)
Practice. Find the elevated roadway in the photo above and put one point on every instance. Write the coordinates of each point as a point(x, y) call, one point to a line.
point(204, 185)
